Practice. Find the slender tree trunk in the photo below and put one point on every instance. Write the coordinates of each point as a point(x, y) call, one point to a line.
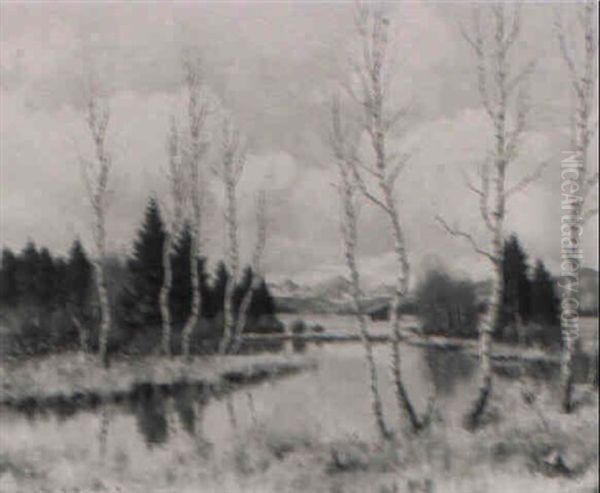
point(349, 235)
point(251, 407)
point(344, 152)
point(491, 320)
point(233, 257)
point(379, 119)
point(81, 331)
point(103, 432)
point(194, 316)
point(105, 315)
point(569, 331)
point(197, 112)
point(242, 317)
point(401, 288)
point(95, 176)
point(164, 295)
point(231, 413)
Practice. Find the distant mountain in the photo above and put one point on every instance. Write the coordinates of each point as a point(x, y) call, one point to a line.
point(333, 288)
point(332, 295)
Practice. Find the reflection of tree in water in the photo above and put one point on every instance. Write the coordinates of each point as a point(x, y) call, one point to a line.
point(189, 403)
point(148, 403)
point(448, 368)
point(103, 432)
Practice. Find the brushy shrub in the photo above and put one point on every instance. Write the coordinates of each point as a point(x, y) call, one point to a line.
point(355, 455)
point(298, 327)
point(248, 459)
point(280, 443)
point(447, 306)
point(345, 456)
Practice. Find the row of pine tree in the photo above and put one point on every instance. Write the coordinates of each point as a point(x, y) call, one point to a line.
point(529, 294)
point(35, 284)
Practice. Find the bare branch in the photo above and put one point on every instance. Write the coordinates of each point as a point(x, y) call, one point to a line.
point(365, 191)
point(566, 54)
point(522, 184)
point(515, 28)
point(520, 77)
point(261, 231)
point(476, 42)
point(466, 236)
point(397, 169)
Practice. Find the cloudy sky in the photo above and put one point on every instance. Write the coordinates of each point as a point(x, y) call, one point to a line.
point(274, 67)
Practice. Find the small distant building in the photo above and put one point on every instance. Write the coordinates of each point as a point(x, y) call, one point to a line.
point(378, 310)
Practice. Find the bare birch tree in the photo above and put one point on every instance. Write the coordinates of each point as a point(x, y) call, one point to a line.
point(197, 109)
point(176, 181)
point(379, 120)
point(95, 174)
point(230, 169)
point(256, 265)
point(502, 93)
point(580, 57)
point(344, 152)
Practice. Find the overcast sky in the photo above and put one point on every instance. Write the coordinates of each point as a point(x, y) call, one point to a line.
point(274, 66)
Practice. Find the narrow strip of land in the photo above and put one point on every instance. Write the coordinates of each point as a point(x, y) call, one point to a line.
point(502, 351)
point(68, 375)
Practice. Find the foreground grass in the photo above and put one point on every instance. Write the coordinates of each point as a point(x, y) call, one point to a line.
point(69, 374)
point(513, 453)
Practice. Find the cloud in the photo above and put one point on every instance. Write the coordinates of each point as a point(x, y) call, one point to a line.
point(271, 65)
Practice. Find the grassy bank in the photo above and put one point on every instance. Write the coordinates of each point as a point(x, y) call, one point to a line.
point(516, 452)
point(43, 378)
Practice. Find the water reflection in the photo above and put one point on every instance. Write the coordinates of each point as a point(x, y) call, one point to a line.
point(449, 368)
point(186, 399)
point(330, 398)
point(148, 405)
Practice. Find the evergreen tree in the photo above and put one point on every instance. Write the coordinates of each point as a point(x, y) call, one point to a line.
point(46, 280)
point(28, 272)
point(60, 281)
point(242, 287)
point(145, 266)
point(218, 289)
point(262, 301)
point(544, 301)
point(516, 295)
point(181, 291)
point(78, 278)
point(9, 292)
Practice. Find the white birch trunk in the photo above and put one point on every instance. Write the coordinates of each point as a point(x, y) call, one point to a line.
point(261, 236)
point(349, 250)
point(232, 165)
point(378, 122)
point(81, 331)
point(95, 176)
point(164, 295)
point(232, 263)
point(497, 85)
point(349, 237)
point(583, 80)
point(197, 112)
point(176, 180)
point(195, 308)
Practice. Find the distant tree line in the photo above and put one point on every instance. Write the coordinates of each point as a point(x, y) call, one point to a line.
point(529, 310)
point(48, 300)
